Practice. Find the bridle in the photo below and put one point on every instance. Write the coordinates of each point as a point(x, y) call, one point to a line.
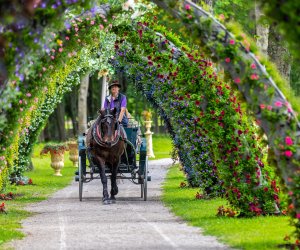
point(97, 133)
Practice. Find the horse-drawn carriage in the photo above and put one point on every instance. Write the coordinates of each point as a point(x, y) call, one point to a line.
point(133, 163)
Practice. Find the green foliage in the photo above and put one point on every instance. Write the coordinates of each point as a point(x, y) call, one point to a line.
point(238, 11)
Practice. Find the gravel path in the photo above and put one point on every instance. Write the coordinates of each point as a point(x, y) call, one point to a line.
point(62, 222)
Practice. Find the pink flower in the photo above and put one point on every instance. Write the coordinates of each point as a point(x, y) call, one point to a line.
point(232, 42)
point(67, 38)
point(254, 77)
point(189, 16)
point(44, 69)
point(237, 80)
point(92, 22)
point(76, 29)
point(78, 40)
point(28, 94)
point(52, 57)
point(60, 50)
point(21, 109)
point(288, 141)
point(187, 7)
point(21, 101)
point(101, 27)
point(53, 50)
point(298, 215)
point(227, 59)
point(253, 66)
point(288, 153)
point(269, 107)
point(278, 104)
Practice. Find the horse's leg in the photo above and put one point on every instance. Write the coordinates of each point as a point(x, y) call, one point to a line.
point(114, 187)
point(103, 177)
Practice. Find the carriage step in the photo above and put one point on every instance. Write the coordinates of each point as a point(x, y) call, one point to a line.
point(76, 177)
point(148, 178)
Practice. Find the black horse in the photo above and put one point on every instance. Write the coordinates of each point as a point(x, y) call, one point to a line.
point(105, 145)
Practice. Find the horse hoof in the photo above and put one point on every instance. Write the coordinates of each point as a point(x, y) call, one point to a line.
point(107, 202)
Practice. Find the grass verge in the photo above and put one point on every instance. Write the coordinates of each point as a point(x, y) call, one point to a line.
point(244, 233)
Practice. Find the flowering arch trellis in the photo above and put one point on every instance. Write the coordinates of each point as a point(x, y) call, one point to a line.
point(217, 143)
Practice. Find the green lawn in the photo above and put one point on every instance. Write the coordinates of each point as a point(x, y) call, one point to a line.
point(162, 146)
point(244, 233)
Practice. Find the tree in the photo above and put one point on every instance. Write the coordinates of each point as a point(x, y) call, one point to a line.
point(82, 103)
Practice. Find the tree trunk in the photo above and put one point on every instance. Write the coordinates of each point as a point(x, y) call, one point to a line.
point(279, 53)
point(262, 31)
point(82, 104)
point(74, 111)
point(60, 119)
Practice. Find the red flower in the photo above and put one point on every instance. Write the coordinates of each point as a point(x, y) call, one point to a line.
point(288, 141)
point(2, 208)
point(237, 80)
point(227, 59)
point(140, 33)
point(288, 153)
point(197, 103)
point(199, 196)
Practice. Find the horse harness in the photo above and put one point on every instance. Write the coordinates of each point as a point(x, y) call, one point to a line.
point(97, 135)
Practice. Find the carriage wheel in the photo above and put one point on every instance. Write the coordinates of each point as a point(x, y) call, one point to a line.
point(80, 178)
point(145, 179)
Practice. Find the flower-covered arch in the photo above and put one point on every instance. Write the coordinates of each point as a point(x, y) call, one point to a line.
point(217, 143)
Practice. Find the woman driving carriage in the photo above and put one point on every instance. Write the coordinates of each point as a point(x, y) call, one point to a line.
point(118, 101)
